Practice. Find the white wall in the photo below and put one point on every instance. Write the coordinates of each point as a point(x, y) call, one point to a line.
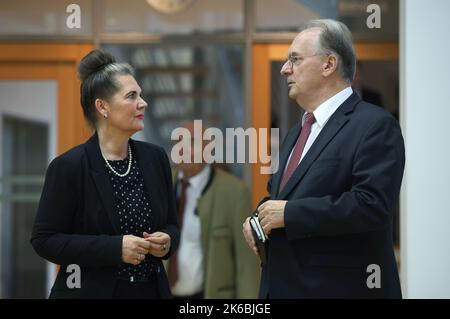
point(425, 118)
point(31, 100)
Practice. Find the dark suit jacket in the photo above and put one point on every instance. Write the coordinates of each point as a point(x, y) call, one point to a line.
point(339, 214)
point(77, 221)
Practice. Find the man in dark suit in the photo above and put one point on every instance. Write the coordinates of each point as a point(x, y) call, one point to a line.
point(329, 212)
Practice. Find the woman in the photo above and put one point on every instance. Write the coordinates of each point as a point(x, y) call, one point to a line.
point(107, 205)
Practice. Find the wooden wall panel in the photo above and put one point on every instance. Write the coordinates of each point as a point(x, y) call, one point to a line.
point(52, 62)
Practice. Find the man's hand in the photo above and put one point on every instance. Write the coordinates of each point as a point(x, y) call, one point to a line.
point(249, 236)
point(271, 215)
point(159, 243)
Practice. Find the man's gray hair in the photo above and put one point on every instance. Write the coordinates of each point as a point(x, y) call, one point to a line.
point(336, 39)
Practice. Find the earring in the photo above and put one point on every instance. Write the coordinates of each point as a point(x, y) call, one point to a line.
point(105, 115)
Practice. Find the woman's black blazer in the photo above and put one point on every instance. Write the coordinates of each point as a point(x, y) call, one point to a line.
point(77, 221)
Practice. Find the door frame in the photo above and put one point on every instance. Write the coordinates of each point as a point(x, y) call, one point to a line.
point(52, 62)
point(55, 62)
point(262, 56)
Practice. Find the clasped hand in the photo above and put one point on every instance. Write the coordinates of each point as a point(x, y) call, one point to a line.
point(270, 215)
point(134, 249)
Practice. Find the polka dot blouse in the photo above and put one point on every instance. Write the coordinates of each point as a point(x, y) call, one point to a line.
point(133, 206)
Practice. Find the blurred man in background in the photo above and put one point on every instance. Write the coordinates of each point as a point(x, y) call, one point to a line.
point(213, 260)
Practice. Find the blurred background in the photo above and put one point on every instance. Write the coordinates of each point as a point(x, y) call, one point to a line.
point(219, 61)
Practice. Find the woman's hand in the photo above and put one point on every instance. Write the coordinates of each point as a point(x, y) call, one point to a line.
point(134, 249)
point(159, 243)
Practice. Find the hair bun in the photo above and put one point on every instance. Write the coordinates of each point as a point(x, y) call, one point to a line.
point(93, 62)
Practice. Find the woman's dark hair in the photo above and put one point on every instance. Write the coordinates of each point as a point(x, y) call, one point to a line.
point(97, 72)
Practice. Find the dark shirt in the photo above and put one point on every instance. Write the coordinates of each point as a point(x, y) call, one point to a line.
point(133, 205)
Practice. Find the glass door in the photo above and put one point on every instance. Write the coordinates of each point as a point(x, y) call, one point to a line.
point(40, 117)
point(24, 157)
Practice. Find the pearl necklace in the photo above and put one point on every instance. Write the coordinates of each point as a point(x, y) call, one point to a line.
point(130, 160)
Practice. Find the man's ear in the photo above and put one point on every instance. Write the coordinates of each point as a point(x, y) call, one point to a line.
point(101, 106)
point(330, 65)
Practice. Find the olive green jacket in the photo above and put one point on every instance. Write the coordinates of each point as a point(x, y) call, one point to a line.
point(231, 270)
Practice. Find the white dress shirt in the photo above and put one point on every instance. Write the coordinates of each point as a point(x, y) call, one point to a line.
point(322, 114)
point(190, 254)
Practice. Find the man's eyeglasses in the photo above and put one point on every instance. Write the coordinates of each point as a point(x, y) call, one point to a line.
point(297, 60)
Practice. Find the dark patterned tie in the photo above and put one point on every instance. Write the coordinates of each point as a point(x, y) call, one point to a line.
point(298, 150)
point(172, 272)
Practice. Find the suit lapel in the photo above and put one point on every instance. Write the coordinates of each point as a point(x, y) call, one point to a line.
point(204, 207)
point(332, 127)
point(102, 181)
point(284, 155)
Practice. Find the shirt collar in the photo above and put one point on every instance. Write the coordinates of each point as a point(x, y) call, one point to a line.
point(324, 111)
point(199, 180)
